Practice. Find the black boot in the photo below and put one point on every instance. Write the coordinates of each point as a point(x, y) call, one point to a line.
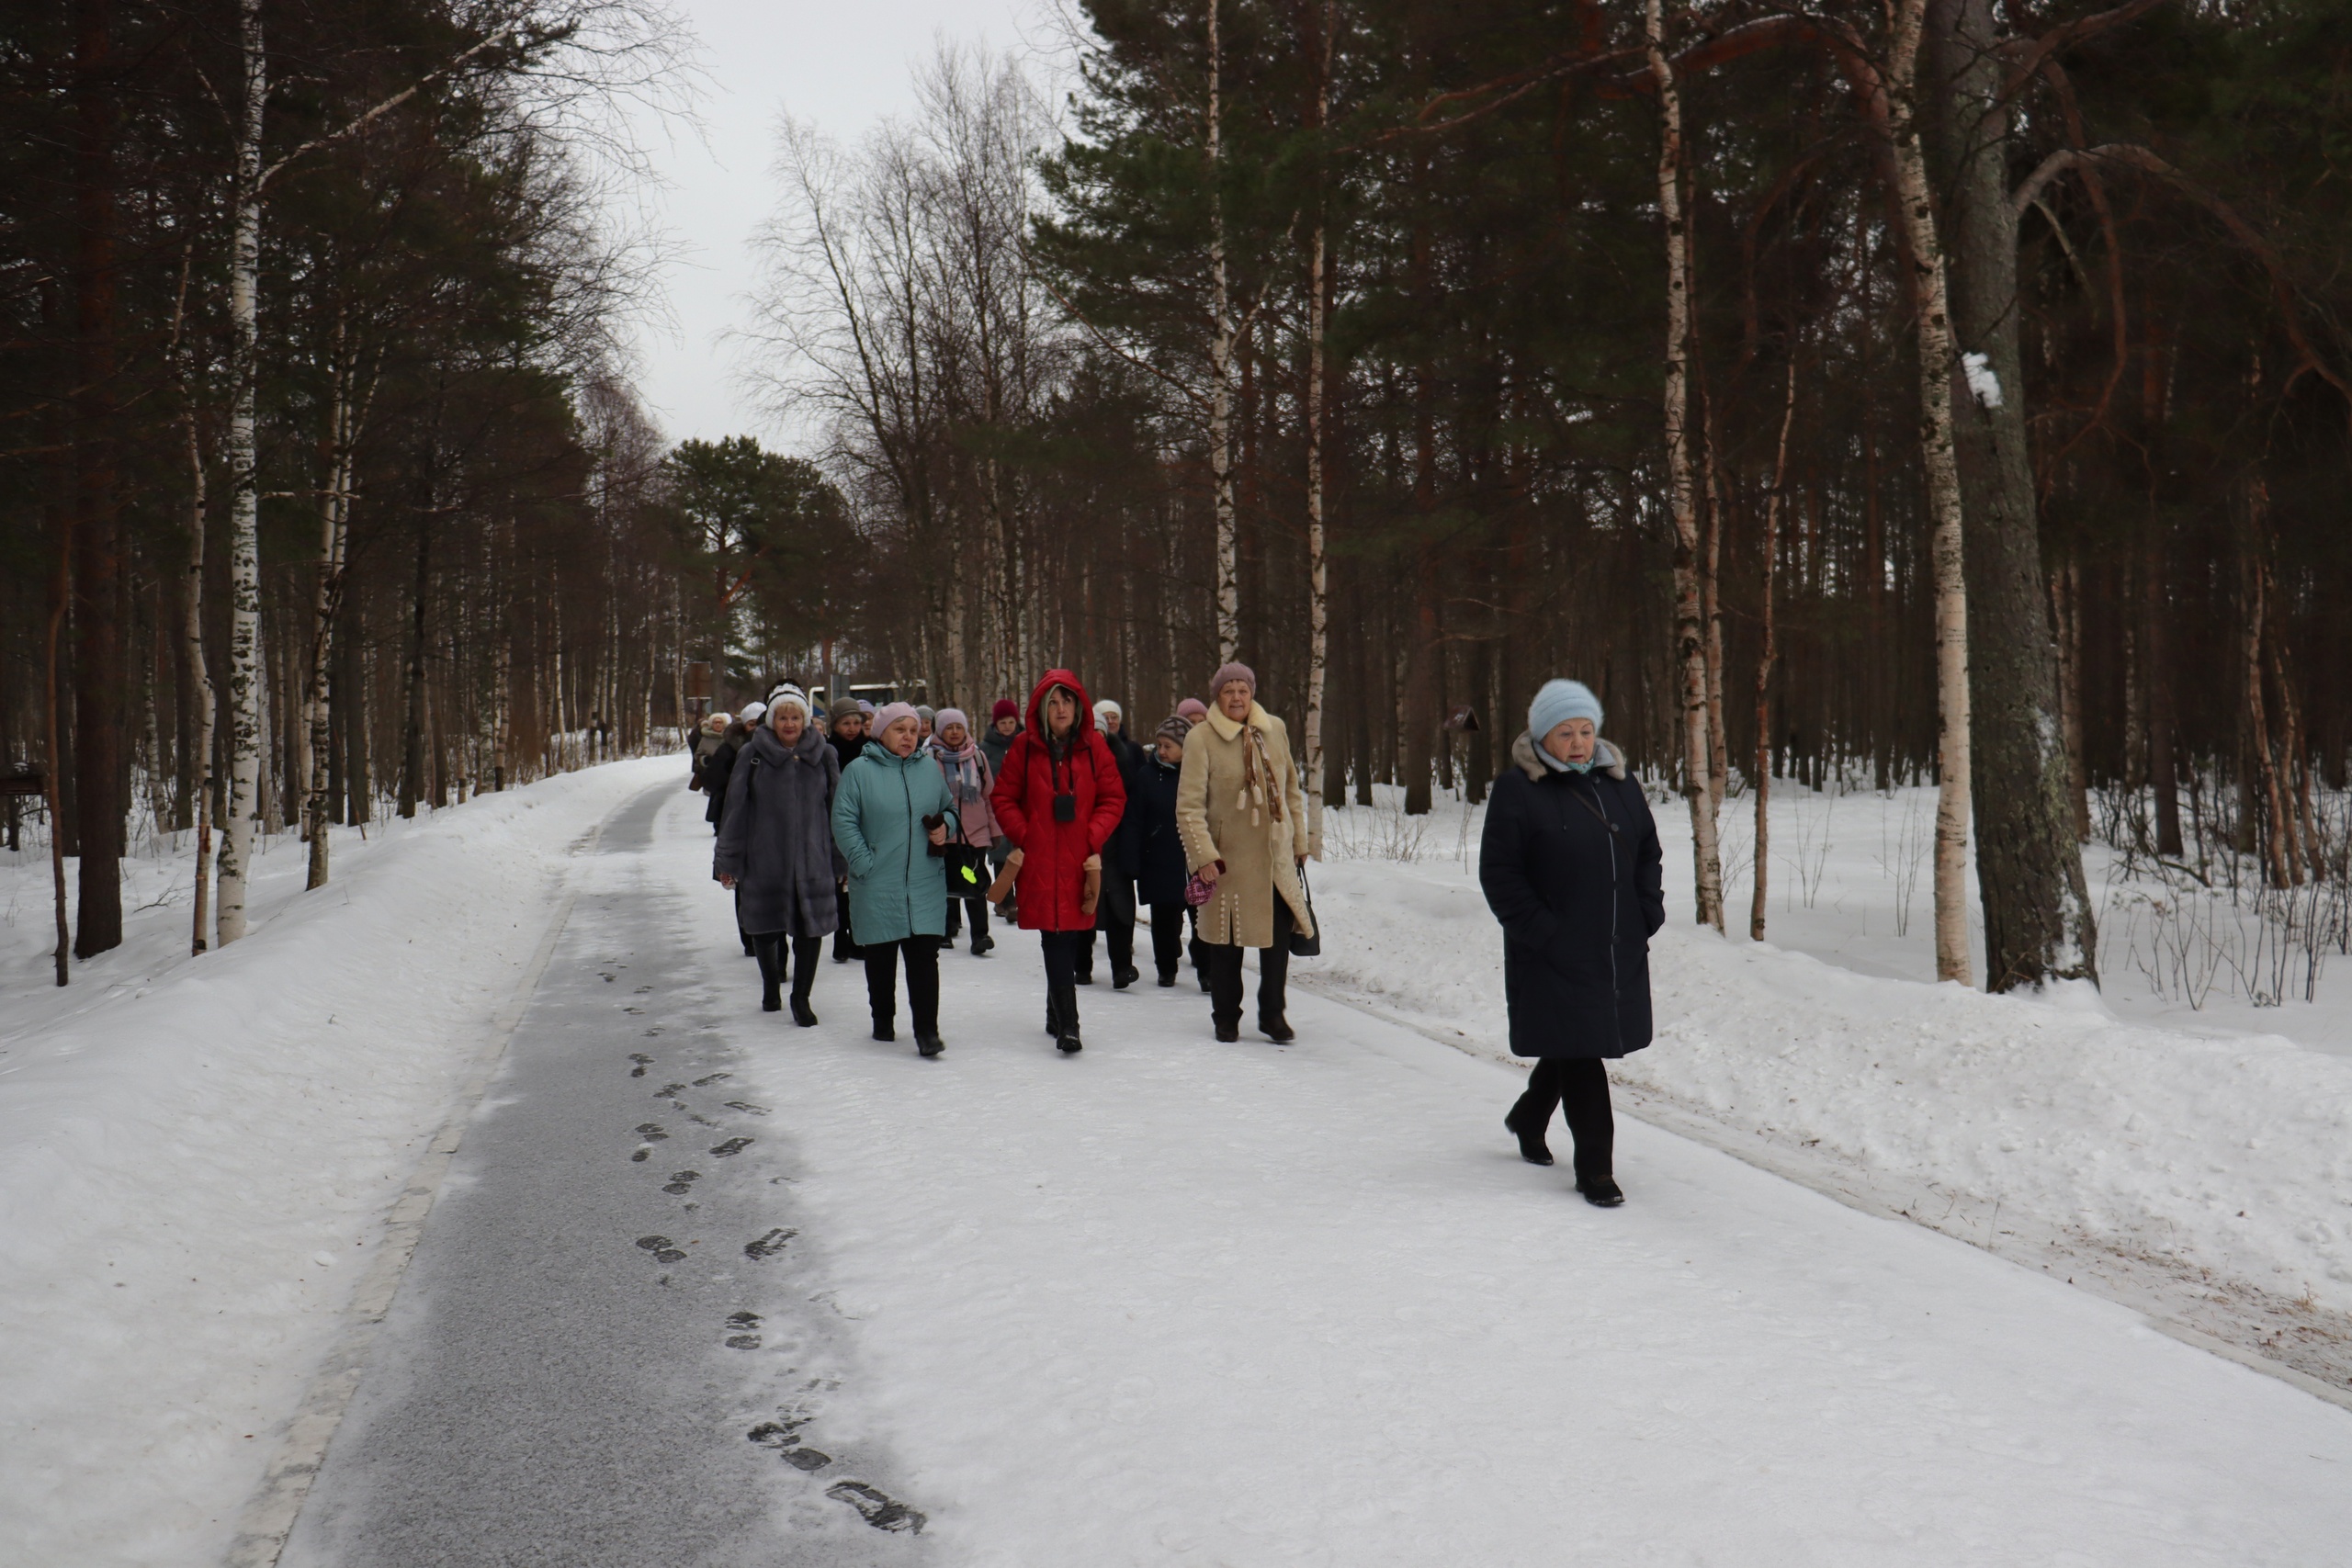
point(929, 1044)
point(1529, 1130)
point(1600, 1192)
point(1124, 975)
point(806, 951)
point(764, 950)
point(981, 943)
point(1066, 1009)
point(1167, 978)
point(1277, 1029)
point(882, 1026)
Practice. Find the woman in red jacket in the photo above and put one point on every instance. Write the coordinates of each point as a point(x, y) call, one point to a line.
point(1058, 798)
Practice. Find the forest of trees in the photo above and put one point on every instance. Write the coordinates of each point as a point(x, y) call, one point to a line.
point(1940, 391)
point(1421, 352)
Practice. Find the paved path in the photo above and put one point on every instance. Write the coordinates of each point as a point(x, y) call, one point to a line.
point(564, 1379)
point(1173, 1302)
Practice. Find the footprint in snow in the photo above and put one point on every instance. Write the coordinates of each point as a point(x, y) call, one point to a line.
point(731, 1149)
point(667, 1089)
point(650, 1131)
point(878, 1508)
point(785, 1438)
point(682, 1182)
point(743, 1338)
point(747, 1108)
point(642, 1061)
point(768, 1246)
point(664, 1250)
point(709, 1078)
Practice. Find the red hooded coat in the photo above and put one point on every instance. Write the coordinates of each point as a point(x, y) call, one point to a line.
point(1052, 884)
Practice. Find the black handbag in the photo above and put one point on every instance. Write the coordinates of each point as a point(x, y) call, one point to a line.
point(1303, 945)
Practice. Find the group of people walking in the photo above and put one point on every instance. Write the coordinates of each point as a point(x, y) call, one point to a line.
point(888, 829)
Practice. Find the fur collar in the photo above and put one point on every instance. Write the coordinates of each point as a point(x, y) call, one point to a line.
point(1226, 729)
point(1522, 754)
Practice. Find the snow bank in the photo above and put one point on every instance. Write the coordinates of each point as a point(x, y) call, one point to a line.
point(2216, 1173)
point(196, 1154)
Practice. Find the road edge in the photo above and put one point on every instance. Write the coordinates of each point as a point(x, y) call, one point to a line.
point(1667, 1117)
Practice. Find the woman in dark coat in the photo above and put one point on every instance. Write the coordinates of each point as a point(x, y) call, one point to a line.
point(1058, 799)
point(1570, 866)
point(776, 847)
point(1159, 847)
point(1115, 916)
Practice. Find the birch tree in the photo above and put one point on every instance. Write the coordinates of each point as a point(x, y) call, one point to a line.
point(1689, 629)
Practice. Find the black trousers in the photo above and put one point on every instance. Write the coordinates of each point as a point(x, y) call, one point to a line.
point(1274, 970)
point(922, 980)
point(1065, 953)
point(1199, 949)
point(1117, 921)
point(956, 907)
point(806, 952)
point(1167, 938)
point(1579, 1087)
point(843, 946)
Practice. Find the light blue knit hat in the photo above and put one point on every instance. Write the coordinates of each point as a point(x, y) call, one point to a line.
point(1559, 702)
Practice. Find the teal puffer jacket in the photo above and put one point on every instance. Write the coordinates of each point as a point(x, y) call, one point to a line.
point(897, 887)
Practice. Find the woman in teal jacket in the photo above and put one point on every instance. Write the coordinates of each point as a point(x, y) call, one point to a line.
point(898, 890)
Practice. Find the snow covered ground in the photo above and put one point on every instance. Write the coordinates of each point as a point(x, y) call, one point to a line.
point(1175, 1302)
point(195, 1154)
point(2197, 1164)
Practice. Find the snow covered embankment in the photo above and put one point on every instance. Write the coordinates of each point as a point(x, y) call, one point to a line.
point(2209, 1180)
point(194, 1166)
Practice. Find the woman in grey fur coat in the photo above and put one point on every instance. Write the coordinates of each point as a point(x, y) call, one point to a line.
point(775, 846)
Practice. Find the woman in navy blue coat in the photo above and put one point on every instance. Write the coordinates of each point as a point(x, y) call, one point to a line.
point(1571, 867)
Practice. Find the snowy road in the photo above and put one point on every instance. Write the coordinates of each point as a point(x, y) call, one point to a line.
point(1176, 1302)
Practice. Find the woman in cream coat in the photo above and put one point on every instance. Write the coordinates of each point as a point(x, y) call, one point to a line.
point(1243, 817)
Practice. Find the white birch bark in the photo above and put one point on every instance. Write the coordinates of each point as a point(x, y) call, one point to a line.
point(1689, 634)
point(1936, 365)
point(1228, 589)
point(1318, 574)
point(245, 496)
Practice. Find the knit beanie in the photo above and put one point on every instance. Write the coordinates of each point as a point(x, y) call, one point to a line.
point(1107, 709)
point(1175, 726)
point(751, 711)
point(1232, 672)
point(945, 716)
point(925, 714)
point(1005, 708)
point(884, 718)
point(866, 707)
point(1557, 703)
point(1192, 708)
point(789, 693)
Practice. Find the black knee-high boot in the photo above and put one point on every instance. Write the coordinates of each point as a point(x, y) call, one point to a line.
point(763, 948)
point(806, 952)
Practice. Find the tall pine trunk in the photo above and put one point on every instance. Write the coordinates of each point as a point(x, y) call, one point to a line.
point(1762, 771)
point(2038, 920)
point(99, 681)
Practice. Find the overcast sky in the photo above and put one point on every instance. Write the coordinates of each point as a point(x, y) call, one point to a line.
point(842, 64)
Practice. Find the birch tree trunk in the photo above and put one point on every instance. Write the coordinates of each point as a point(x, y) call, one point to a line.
point(1937, 362)
point(335, 517)
point(206, 700)
point(1228, 589)
point(1690, 632)
point(244, 493)
point(1762, 771)
point(1317, 570)
point(2039, 924)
